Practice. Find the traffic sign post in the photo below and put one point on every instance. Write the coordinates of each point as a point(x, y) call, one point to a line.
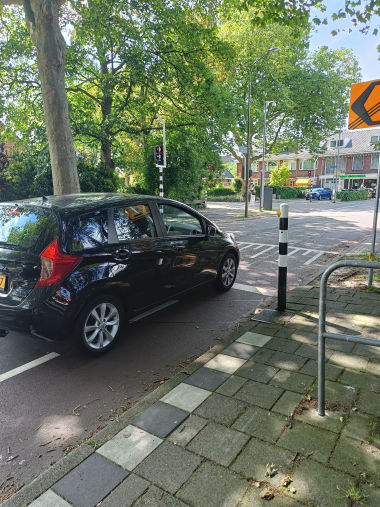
point(365, 113)
point(160, 157)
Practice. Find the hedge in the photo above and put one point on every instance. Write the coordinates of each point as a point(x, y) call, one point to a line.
point(225, 198)
point(221, 191)
point(352, 195)
point(289, 192)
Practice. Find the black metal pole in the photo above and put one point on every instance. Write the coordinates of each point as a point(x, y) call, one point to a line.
point(282, 257)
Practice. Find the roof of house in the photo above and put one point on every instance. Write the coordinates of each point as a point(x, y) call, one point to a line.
point(227, 174)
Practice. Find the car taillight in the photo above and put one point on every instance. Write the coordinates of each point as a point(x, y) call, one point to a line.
point(55, 265)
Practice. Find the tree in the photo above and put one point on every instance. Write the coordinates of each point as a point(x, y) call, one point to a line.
point(279, 175)
point(41, 17)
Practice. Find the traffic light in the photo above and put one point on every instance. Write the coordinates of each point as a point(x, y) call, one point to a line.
point(159, 155)
point(309, 173)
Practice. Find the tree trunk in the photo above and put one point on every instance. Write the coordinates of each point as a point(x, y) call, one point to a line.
point(42, 22)
point(107, 100)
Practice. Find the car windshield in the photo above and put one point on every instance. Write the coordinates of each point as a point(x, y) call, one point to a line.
point(26, 227)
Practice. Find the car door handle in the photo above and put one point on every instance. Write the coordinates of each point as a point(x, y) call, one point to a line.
point(121, 254)
point(179, 247)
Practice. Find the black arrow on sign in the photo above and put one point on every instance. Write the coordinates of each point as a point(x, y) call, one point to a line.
point(358, 107)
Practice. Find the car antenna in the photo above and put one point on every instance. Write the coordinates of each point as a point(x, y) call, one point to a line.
point(44, 198)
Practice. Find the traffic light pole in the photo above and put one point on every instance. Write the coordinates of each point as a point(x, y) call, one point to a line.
point(161, 167)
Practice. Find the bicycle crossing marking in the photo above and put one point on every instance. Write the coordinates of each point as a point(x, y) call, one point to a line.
point(262, 248)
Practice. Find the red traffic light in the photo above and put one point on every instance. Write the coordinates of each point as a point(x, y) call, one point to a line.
point(158, 155)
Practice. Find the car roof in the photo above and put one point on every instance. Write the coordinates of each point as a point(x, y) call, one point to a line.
point(72, 204)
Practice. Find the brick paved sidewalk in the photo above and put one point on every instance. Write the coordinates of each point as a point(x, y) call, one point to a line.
point(240, 423)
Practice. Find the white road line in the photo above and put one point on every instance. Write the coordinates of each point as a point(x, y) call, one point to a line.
point(307, 252)
point(256, 290)
point(293, 251)
point(263, 251)
point(312, 259)
point(27, 366)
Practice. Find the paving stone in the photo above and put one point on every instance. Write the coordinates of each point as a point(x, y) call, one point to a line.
point(332, 421)
point(338, 396)
point(48, 499)
point(332, 372)
point(260, 423)
point(363, 427)
point(287, 403)
point(160, 419)
point(129, 447)
point(308, 336)
point(156, 497)
point(358, 379)
point(255, 339)
point(370, 494)
point(317, 485)
point(187, 430)
point(292, 381)
point(356, 457)
point(283, 345)
point(266, 329)
point(286, 361)
point(257, 371)
point(259, 394)
point(213, 486)
point(221, 409)
point(349, 361)
point(90, 482)
point(311, 351)
point(306, 439)
point(367, 350)
point(186, 397)
point(231, 386)
point(263, 355)
point(127, 492)
point(252, 461)
point(373, 367)
point(207, 379)
point(369, 401)
point(252, 499)
point(227, 364)
point(169, 466)
point(241, 350)
point(218, 443)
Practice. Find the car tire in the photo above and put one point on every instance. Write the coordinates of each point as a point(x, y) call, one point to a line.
point(227, 271)
point(99, 324)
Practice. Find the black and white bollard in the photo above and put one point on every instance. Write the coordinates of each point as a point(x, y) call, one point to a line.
point(283, 213)
point(161, 187)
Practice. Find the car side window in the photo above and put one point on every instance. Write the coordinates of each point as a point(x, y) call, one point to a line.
point(134, 222)
point(86, 232)
point(179, 222)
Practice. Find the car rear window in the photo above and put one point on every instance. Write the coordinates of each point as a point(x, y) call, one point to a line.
point(85, 232)
point(27, 227)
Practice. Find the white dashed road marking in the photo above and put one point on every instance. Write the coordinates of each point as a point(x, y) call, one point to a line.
point(262, 248)
point(27, 366)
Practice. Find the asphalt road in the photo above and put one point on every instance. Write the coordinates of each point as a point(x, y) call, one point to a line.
point(50, 408)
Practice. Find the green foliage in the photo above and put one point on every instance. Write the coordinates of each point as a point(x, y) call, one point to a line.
point(221, 191)
point(226, 198)
point(238, 184)
point(289, 192)
point(279, 175)
point(98, 178)
point(352, 195)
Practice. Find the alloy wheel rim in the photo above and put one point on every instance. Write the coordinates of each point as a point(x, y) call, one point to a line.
point(101, 326)
point(228, 271)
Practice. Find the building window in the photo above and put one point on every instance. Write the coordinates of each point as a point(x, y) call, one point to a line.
point(291, 164)
point(307, 165)
point(358, 164)
point(374, 161)
point(336, 142)
point(270, 165)
point(375, 139)
point(330, 165)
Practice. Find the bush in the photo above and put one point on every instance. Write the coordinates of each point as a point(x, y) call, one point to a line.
point(226, 198)
point(221, 191)
point(289, 192)
point(238, 184)
point(352, 195)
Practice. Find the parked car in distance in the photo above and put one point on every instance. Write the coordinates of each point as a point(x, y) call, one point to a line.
point(319, 193)
point(80, 265)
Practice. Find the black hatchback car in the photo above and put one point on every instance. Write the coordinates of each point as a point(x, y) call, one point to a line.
point(79, 265)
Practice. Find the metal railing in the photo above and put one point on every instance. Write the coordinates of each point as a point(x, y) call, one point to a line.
point(323, 334)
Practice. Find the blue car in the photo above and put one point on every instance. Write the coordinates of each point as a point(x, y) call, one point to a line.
point(319, 193)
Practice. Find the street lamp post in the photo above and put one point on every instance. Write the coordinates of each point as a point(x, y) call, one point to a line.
point(268, 52)
point(263, 162)
point(336, 169)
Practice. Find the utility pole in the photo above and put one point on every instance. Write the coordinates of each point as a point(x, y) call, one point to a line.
point(263, 162)
point(248, 145)
point(162, 167)
point(336, 168)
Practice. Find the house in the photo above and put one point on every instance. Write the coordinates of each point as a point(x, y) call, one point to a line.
point(350, 157)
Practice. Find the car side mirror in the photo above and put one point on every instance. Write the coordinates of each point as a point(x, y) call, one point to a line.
point(211, 230)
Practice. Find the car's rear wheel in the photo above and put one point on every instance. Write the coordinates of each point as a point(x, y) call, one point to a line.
point(100, 323)
point(226, 273)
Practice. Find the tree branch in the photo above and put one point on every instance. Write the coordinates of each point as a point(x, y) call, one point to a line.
point(11, 2)
point(80, 90)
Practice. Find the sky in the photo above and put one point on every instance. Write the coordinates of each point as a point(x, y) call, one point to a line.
point(363, 46)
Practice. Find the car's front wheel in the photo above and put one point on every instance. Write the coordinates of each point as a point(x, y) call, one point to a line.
point(99, 324)
point(226, 273)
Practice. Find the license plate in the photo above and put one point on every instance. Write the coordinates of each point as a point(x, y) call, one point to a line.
point(3, 282)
